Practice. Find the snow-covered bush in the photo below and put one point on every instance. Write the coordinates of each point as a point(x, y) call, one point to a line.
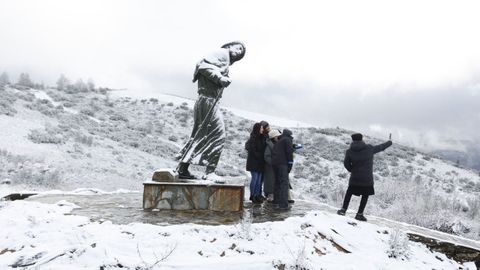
point(118, 117)
point(183, 116)
point(84, 139)
point(6, 108)
point(398, 245)
point(27, 96)
point(7, 101)
point(88, 111)
point(35, 176)
point(48, 135)
point(44, 106)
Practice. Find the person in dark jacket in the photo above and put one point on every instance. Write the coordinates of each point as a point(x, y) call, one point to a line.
point(282, 161)
point(255, 162)
point(359, 162)
point(269, 174)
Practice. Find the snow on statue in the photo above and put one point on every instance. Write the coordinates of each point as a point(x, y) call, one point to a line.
point(208, 135)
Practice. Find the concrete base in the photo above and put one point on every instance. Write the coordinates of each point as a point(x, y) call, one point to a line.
point(193, 195)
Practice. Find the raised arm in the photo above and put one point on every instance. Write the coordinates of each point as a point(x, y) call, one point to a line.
point(381, 147)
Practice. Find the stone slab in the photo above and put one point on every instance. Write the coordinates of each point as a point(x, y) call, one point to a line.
point(192, 196)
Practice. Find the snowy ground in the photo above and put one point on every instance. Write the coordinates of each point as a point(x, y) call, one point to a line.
point(44, 236)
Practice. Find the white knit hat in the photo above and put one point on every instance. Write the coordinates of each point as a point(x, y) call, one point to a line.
point(274, 133)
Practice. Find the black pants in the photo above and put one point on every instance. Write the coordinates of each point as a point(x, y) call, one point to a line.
point(280, 192)
point(363, 202)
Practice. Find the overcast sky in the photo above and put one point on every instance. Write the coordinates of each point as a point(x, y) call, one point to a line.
point(407, 67)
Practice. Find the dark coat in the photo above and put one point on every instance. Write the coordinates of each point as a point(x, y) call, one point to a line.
point(283, 149)
point(256, 149)
point(268, 175)
point(359, 161)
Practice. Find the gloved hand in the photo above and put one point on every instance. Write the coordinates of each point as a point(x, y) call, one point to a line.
point(225, 81)
point(290, 165)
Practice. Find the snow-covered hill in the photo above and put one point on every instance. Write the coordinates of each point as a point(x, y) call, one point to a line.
point(56, 140)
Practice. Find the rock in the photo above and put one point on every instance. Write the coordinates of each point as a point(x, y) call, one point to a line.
point(456, 252)
point(165, 175)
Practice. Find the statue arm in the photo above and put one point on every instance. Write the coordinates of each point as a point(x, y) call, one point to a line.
point(212, 74)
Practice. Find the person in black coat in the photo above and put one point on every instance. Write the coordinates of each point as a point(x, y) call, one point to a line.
point(359, 162)
point(255, 162)
point(282, 161)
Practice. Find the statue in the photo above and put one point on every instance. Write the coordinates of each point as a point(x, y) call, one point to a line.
point(208, 135)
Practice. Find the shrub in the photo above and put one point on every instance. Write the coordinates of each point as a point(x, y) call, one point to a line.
point(27, 96)
point(84, 139)
point(45, 136)
point(6, 103)
point(44, 106)
point(118, 117)
point(6, 108)
point(88, 111)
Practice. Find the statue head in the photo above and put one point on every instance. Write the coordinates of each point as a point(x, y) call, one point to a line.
point(236, 49)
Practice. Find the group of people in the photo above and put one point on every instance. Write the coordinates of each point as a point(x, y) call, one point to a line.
point(270, 160)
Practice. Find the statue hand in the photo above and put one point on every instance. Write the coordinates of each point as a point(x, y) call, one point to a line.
point(225, 81)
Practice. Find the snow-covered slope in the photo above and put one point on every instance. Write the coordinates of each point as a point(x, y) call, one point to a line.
point(56, 140)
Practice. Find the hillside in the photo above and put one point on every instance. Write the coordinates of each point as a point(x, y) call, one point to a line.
point(57, 140)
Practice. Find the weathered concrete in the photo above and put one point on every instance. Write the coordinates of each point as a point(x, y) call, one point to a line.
point(195, 195)
point(458, 253)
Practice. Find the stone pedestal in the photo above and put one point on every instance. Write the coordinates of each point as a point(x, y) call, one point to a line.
point(192, 196)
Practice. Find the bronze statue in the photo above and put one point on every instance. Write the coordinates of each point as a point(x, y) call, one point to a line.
point(208, 135)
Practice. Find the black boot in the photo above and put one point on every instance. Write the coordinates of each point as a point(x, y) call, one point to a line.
point(210, 169)
point(183, 172)
point(360, 217)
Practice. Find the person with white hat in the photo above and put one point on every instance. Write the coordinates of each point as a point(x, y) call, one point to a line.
point(269, 174)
